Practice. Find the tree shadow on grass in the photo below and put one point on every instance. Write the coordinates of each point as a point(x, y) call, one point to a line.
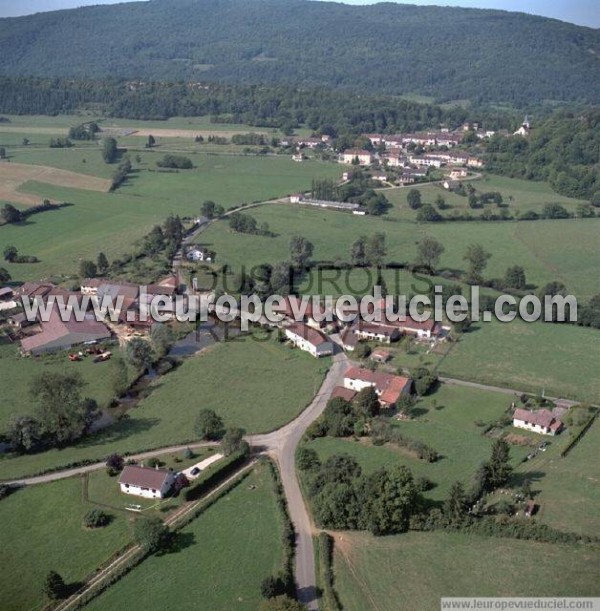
point(178, 542)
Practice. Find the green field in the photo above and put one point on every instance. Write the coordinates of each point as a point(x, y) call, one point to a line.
point(258, 386)
point(518, 195)
point(22, 370)
point(112, 222)
point(42, 531)
point(559, 360)
point(413, 571)
point(530, 244)
point(227, 551)
point(445, 421)
point(569, 488)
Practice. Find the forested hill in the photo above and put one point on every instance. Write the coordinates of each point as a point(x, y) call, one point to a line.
point(446, 53)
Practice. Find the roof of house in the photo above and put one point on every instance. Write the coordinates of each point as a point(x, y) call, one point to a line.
point(356, 152)
point(380, 353)
point(375, 328)
point(34, 289)
point(92, 282)
point(539, 417)
point(144, 477)
point(6, 290)
point(343, 393)
point(411, 323)
point(171, 280)
point(18, 318)
point(389, 387)
point(349, 338)
point(55, 329)
point(291, 303)
point(312, 336)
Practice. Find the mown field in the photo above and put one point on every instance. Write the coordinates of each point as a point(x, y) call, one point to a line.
point(413, 571)
point(518, 196)
point(530, 244)
point(560, 360)
point(226, 553)
point(19, 372)
point(42, 531)
point(258, 386)
point(112, 222)
point(568, 488)
point(446, 421)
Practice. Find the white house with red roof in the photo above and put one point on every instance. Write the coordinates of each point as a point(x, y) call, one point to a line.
point(309, 339)
point(421, 329)
point(146, 482)
point(389, 388)
point(540, 421)
point(350, 155)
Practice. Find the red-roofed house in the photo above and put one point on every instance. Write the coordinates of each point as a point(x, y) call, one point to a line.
point(377, 332)
point(309, 339)
point(540, 421)
point(389, 388)
point(146, 482)
point(426, 329)
point(339, 392)
point(350, 155)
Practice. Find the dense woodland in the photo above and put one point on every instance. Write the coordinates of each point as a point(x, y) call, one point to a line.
point(442, 52)
point(564, 150)
point(331, 111)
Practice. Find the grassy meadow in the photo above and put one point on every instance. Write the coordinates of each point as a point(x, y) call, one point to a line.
point(530, 244)
point(256, 385)
point(413, 571)
point(21, 371)
point(446, 421)
point(559, 360)
point(41, 531)
point(225, 554)
point(568, 489)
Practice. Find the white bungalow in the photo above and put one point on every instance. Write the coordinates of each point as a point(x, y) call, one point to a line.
point(308, 339)
point(146, 482)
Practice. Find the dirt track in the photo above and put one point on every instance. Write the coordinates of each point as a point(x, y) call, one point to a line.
point(13, 175)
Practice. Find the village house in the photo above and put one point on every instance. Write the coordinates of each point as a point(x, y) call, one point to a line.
point(309, 339)
point(379, 355)
point(474, 162)
point(20, 321)
point(457, 173)
point(389, 388)
point(146, 482)
point(394, 160)
point(89, 286)
point(298, 157)
point(339, 392)
point(351, 155)
point(540, 421)
point(296, 198)
point(197, 253)
point(422, 330)
point(377, 332)
point(426, 160)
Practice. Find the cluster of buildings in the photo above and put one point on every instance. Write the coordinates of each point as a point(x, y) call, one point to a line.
point(62, 328)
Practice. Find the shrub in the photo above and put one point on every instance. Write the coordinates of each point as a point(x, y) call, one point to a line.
point(96, 518)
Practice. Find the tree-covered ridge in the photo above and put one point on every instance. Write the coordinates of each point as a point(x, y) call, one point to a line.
point(447, 53)
point(564, 149)
point(332, 111)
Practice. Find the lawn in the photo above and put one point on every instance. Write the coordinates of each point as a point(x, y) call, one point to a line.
point(20, 371)
point(413, 571)
point(226, 553)
point(42, 531)
point(112, 222)
point(445, 421)
point(559, 360)
point(257, 385)
point(531, 244)
point(569, 488)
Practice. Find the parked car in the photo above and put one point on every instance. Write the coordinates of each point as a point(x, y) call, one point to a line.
point(195, 471)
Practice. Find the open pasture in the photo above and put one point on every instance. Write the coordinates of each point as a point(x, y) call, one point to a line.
point(413, 571)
